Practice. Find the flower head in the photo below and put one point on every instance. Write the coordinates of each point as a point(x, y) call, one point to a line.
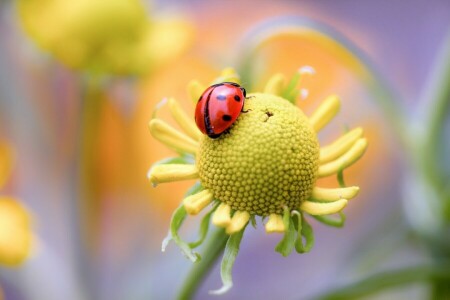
point(265, 165)
point(104, 36)
point(15, 225)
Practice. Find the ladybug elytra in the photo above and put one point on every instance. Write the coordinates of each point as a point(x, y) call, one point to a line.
point(218, 108)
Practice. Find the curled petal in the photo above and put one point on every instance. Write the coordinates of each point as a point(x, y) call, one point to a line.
point(275, 85)
point(340, 146)
point(318, 208)
point(238, 221)
point(228, 75)
point(222, 216)
point(324, 194)
point(195, 203)
point(186, 123)
point(325, 113)
point(275, 224)
point(346, 160)
point(172, 172)
point(195, 90)
point(171, 137)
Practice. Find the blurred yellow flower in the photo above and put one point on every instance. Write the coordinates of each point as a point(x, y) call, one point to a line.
point(15, 227)
point(104, 36)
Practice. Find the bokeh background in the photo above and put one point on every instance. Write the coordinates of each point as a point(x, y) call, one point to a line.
point(78, 85)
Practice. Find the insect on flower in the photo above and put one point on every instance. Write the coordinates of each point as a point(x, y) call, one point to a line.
point(266, 165)
point(219, 107)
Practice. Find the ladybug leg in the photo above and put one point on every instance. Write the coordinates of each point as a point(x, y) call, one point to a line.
point(227, 131)
point(246, 111)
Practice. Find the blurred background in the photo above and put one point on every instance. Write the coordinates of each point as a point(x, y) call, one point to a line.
point(79, 81)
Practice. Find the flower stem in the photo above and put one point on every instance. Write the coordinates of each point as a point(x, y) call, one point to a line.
point(93, 103)
point(385, 280)
point(437, 99)
point(211, 252)
point(87, 205)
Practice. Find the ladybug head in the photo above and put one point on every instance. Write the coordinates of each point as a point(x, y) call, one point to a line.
point(244, 92)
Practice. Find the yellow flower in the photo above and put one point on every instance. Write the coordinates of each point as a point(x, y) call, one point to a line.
point(15, 228)
point(266, 165)
point(104, 36)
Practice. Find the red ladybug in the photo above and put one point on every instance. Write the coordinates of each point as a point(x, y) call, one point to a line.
point(218, 108)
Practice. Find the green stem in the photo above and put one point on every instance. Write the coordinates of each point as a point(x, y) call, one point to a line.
point(438, 103)
point(211, 252)
point(394, 278)
point(440, 289)
point(93, 103)
point(87, 204)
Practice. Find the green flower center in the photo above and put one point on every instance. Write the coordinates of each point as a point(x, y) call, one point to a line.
point(267, 160)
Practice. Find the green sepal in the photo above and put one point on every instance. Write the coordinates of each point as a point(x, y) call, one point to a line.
point(177, 220)
point(286, 245)
point(304, 230)
point(332, 221)
point(204, 227)
point(197, 187)
point(184, 159)
point(253, 221)
point(229, 256)
point(290, 93)
point(340, 178)
point(178, 217)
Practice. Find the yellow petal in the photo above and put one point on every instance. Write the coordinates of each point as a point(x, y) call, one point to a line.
point(171, 137)
point(228, 75)
point(346, 160)
point(195, 90)
point(172, 172)
point(275, 85)
point(318, 209)
point(325, 113)
point(222, 215)
point(340, 146)
point(16, 238)
point(237, 222)
point(186, 123)
point(275, 224)
point(324, 194)
point(195, 203)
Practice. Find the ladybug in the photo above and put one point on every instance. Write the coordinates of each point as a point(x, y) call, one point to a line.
point(218, 108)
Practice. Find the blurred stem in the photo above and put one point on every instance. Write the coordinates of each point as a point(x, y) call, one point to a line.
point(438, 100)
point(440, 289)
point(211, 252)
point(394, 278)
point(88, 200)
point(355, 59)
point(92, 105)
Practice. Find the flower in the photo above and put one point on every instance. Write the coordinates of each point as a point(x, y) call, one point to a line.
point(15, 226)
point(82, 35)
point(266, 165)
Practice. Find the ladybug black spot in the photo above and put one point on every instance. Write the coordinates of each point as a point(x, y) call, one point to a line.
point(221, 97)
point(237, 98)
point(226, 118)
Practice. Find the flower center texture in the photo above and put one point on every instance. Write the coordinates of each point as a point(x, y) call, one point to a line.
point(268, 159)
